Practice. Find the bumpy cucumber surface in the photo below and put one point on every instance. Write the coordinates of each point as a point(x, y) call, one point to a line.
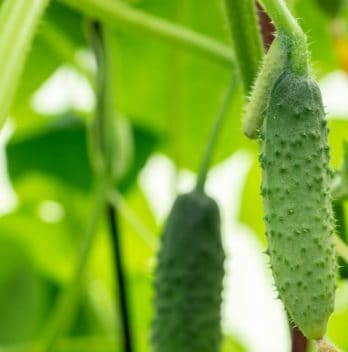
point(188, 280)
point(295, 189)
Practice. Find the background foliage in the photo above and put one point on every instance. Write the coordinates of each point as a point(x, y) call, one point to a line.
point(167, 97)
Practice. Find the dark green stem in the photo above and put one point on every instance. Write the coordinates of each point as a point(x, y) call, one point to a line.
point(105, 142)
point(120, 278)
point(213, 138)
point(242, 20)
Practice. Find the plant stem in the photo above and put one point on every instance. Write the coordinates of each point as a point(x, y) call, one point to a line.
point(213, 138)
point(119, 15)
point(66, 307)
point(18, 23)
point(106, 139)
point(120, 278)
point(287, 24)
point(246, 37)
point(120, 204)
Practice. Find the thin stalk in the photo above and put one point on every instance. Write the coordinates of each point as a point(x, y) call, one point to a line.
point(132, 218)
point(286, 23)
point(65, 310)
point(19, 20)
point(119, 15)
point(120, 278)
point(246, 37)
point(101, 41)
point(213, 138)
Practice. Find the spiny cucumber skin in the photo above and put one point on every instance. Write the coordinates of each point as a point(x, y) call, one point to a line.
point(189, 276)
point(295, 189)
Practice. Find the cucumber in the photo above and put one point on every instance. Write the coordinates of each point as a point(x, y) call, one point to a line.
point(295, 189)
point(188, 279)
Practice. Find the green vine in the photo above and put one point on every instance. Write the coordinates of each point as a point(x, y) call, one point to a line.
point(220, 118)
point(18, 23)
point(120, 15)
point(246, 38)
point(287, 25)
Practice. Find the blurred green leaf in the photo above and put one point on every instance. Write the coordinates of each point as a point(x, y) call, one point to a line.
point(337, 135)
point(317, 27)
point(337, 328)
point(24, 295)
point(61, 152)
point(251, 209)
point(231, 344)
point(174, 92)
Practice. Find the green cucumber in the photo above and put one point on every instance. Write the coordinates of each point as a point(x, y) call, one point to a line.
point(188, 279)
point(297, 201)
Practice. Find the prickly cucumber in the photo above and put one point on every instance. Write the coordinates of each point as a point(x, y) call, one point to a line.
point(295, 189)
point(188, 280)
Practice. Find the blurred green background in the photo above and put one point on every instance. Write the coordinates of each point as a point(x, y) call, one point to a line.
point(166, 97)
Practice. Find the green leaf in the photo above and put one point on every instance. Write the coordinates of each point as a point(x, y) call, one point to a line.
point(60, 151)
point(338, 322)
point(24, 296)
point(251, 210)
point(175, 92)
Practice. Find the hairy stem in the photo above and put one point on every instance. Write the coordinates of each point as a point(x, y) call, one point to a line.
point(213, 138)
point(246, 37)
point(255, 110)
point(287, 24)
point(119, 15)
point(18, 23)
